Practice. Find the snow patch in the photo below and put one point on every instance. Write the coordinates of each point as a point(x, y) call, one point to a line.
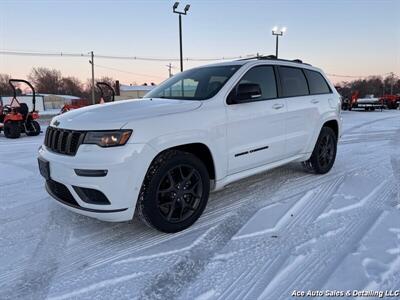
point(358, 204)
point(280, 277)
point(96, 286)
point(207, 295)
point(272, 218)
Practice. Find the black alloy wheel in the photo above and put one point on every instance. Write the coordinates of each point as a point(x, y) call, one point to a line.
point(179, 193)
point(324, 153)
point(174, 192)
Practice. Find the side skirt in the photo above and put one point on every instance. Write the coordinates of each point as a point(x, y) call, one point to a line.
point(220, 184)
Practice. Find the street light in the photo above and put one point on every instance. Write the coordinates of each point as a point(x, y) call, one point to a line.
point(278, 33)
point(180, 13)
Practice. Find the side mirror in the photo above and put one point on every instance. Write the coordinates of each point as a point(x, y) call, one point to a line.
point(247, 92)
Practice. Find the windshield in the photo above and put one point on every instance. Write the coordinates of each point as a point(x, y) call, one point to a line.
point(194, 84)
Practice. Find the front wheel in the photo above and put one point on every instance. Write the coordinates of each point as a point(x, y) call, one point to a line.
point(12, 130)
point(33, 128)
point(175, 191)
point(324, 153)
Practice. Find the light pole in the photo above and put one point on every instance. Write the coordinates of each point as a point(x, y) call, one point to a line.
point(180, 13)
point(278, 33)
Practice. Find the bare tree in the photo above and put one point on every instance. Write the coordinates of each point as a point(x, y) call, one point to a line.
point(5, 89)
point(46, 80)
point(71, 86)
point(375, 85)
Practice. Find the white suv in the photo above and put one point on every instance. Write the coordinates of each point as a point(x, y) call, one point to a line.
point(198, 131)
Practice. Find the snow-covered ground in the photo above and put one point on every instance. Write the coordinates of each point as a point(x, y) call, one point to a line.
point(261, 238)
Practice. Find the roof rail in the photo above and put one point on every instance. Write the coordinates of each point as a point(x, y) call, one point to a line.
point(273, 57)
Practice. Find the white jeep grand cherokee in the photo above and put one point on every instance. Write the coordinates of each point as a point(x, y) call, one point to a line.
point(198, 131)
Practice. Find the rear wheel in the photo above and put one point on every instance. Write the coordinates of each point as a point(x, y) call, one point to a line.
point(174, 192)
point(33, 128)
point(324, 153)
point(12, 130)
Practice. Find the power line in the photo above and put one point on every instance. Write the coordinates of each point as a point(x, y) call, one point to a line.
point(355, 76)
point(141, 58)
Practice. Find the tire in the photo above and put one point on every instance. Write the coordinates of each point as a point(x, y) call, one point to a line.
point(324, 153)
point(12, 130)
point(33, 128)
point(174, 192)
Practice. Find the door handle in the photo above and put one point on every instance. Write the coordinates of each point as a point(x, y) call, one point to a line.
point(315, 101)
point(277, 106)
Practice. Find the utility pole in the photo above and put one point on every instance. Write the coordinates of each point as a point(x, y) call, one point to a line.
point(169, 66)
point(92, 63)
point(391, 83)
point(383, 92)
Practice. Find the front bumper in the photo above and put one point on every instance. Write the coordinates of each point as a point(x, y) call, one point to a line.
point(126, 167)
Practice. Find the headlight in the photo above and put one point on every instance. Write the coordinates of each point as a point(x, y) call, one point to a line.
point(107, 138)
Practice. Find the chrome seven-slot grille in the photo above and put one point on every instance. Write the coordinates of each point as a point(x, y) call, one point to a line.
point(63, 141)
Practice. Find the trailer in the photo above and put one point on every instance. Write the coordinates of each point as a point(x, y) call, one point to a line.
point(368, 103)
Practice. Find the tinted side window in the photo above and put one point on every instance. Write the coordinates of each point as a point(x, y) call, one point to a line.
point(317, 83)
point(293, 81)
point(265, 77)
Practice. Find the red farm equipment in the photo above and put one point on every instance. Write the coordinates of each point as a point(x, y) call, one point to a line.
point(15, 118)
point(74, 104)
point(102, 95)
point(391, 101)
point(78, 103)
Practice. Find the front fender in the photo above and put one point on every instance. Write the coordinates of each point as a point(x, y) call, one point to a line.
point(216, 145)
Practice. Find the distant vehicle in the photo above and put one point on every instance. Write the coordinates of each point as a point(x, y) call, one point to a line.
point(16, 118)
point(369, 102)
point(391, 101)
point(198, 131)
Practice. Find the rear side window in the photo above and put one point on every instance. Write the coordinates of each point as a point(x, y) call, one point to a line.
point(265, 77)
point(293, 81)
point(317, 83)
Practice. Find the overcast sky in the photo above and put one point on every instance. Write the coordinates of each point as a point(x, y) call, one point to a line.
point(342, 37)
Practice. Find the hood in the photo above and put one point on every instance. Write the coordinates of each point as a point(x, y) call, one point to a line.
point(116, 114)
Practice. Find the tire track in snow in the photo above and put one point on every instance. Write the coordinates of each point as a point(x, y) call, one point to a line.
point(169, 283)
point(96, 286)
point(317, 266)
point(314, 214)
point(358, 126)
point(43, 264)
point(310, 204)
point(274, 261)
point(251, 281)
